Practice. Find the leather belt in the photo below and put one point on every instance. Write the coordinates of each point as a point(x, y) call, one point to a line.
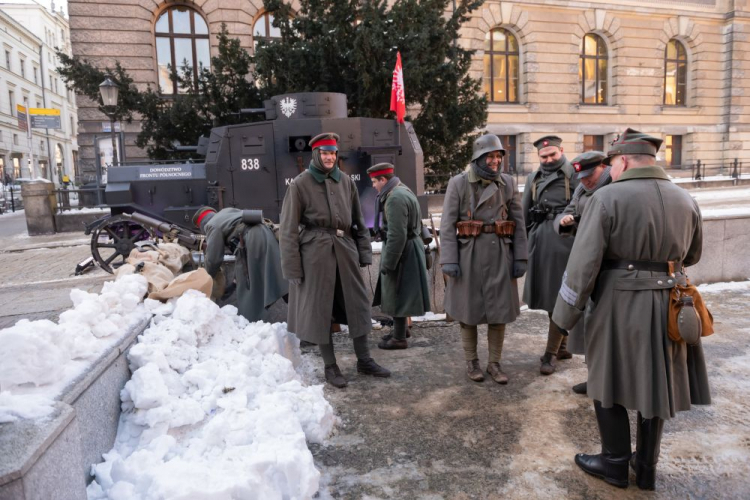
point(488, 228)
point(339, 233)
point(635, 265)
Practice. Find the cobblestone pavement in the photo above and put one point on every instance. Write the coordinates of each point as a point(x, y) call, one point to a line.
point(37, 273)
point(429, 433)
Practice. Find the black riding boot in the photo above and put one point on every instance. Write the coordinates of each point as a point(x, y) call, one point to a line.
point(612, 463)
point(647, 447)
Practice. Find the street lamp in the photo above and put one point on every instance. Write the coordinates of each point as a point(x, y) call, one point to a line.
point(109, 91)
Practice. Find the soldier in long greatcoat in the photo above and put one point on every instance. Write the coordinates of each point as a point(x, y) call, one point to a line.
point(257, 268)
point(402, 290)
point(324, 241)
point(547, 192)
point(593, 175)
point(629, 233)
point(483, 269)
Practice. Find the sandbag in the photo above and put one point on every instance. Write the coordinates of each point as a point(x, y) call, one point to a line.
point(195, 280)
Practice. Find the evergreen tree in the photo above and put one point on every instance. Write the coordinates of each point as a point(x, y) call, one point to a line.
point(350, 46)
point(215, 99)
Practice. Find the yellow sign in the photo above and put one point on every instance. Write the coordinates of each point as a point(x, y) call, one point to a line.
point(44, 112)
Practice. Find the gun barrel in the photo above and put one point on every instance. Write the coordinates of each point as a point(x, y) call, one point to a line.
point(186, 237)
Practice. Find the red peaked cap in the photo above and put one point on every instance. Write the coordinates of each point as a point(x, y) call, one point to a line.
point(327, 141)
point(380, 169)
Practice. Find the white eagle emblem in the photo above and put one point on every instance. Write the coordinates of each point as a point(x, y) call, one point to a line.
point(288, 106)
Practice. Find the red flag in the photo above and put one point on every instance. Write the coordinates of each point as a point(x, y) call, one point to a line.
point(398, 100)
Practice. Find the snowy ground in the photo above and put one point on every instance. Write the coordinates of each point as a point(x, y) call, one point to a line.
point(429, 433)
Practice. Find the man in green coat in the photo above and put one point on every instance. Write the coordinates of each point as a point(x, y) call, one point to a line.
point(260, 282)
point(402, 289)
point(482, 265)
point(629, 234)
point(324, 241)
point(593, 175)
point(548, 191)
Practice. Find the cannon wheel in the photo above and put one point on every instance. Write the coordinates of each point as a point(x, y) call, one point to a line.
point(112, 241)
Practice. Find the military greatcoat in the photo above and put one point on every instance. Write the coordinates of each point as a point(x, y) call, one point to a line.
point(576, 337)
point(548, 252)
point(631, 361)
point(260, 282)
point(315, 206)
point(486, 292)
point(403, 290)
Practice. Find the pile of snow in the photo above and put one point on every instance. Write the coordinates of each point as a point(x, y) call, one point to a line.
point(217, 408)
point(38, 359)
point(725, 286)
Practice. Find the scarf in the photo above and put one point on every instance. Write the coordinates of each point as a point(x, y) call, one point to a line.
point(604, 179)
point(320, 173)
point(482, 170)
point(548, 169)
point(392, 183)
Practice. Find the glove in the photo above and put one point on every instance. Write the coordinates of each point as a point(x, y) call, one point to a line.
point(519, 268)
point(297, 281)
point(452, 270)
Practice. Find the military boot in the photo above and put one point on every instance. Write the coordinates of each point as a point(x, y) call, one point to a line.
point(648, 444)
point(368, 366)
point(562, 352)
point(473, 371)
point(548, 364)
point(581, 388)
point(611, 464)
point(334, 376)
point(494, 370)
point(392, 343)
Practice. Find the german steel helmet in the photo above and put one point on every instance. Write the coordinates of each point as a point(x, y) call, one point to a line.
point(486, 144)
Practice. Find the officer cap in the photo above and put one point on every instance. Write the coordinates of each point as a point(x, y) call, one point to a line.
point(547, 140)
point(486, 144)
point(632, 142)
point(327, 141)
point(203, 215)
point(585, 163)
point(380, 169)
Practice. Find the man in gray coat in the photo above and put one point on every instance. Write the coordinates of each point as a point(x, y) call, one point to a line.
point(260, 282)
point(629, 234)
point(324, 241)
point(593, 175)
point(402, 290)
point(483, 241)
point(548, 191)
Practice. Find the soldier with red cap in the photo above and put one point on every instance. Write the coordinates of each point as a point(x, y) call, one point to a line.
point(258, 276)
point(402, 289)
point(324, 241)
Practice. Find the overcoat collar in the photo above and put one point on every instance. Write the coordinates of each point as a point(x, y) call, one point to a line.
point(565, 171)
point(320, 176)
point(650, 172)
point(489, 190)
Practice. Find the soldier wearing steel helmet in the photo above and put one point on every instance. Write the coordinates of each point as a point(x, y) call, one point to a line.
point(324, 241)
point(483, 240)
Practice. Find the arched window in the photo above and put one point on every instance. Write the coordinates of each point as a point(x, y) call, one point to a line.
point(592, 70)
point(181, 39)
point(263, 29)
point(501, 66)
point(675, 74)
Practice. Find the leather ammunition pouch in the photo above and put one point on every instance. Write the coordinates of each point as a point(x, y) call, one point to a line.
point(469, 228)
point(540, 214)
point(473, 228)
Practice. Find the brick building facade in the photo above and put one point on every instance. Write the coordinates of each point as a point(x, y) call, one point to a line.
point(582, 70)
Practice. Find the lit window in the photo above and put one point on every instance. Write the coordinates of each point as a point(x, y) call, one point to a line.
point(592, 70)
point(675, 74)
point(501, 66)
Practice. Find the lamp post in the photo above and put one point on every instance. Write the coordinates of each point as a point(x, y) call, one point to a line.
point(109, 91)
